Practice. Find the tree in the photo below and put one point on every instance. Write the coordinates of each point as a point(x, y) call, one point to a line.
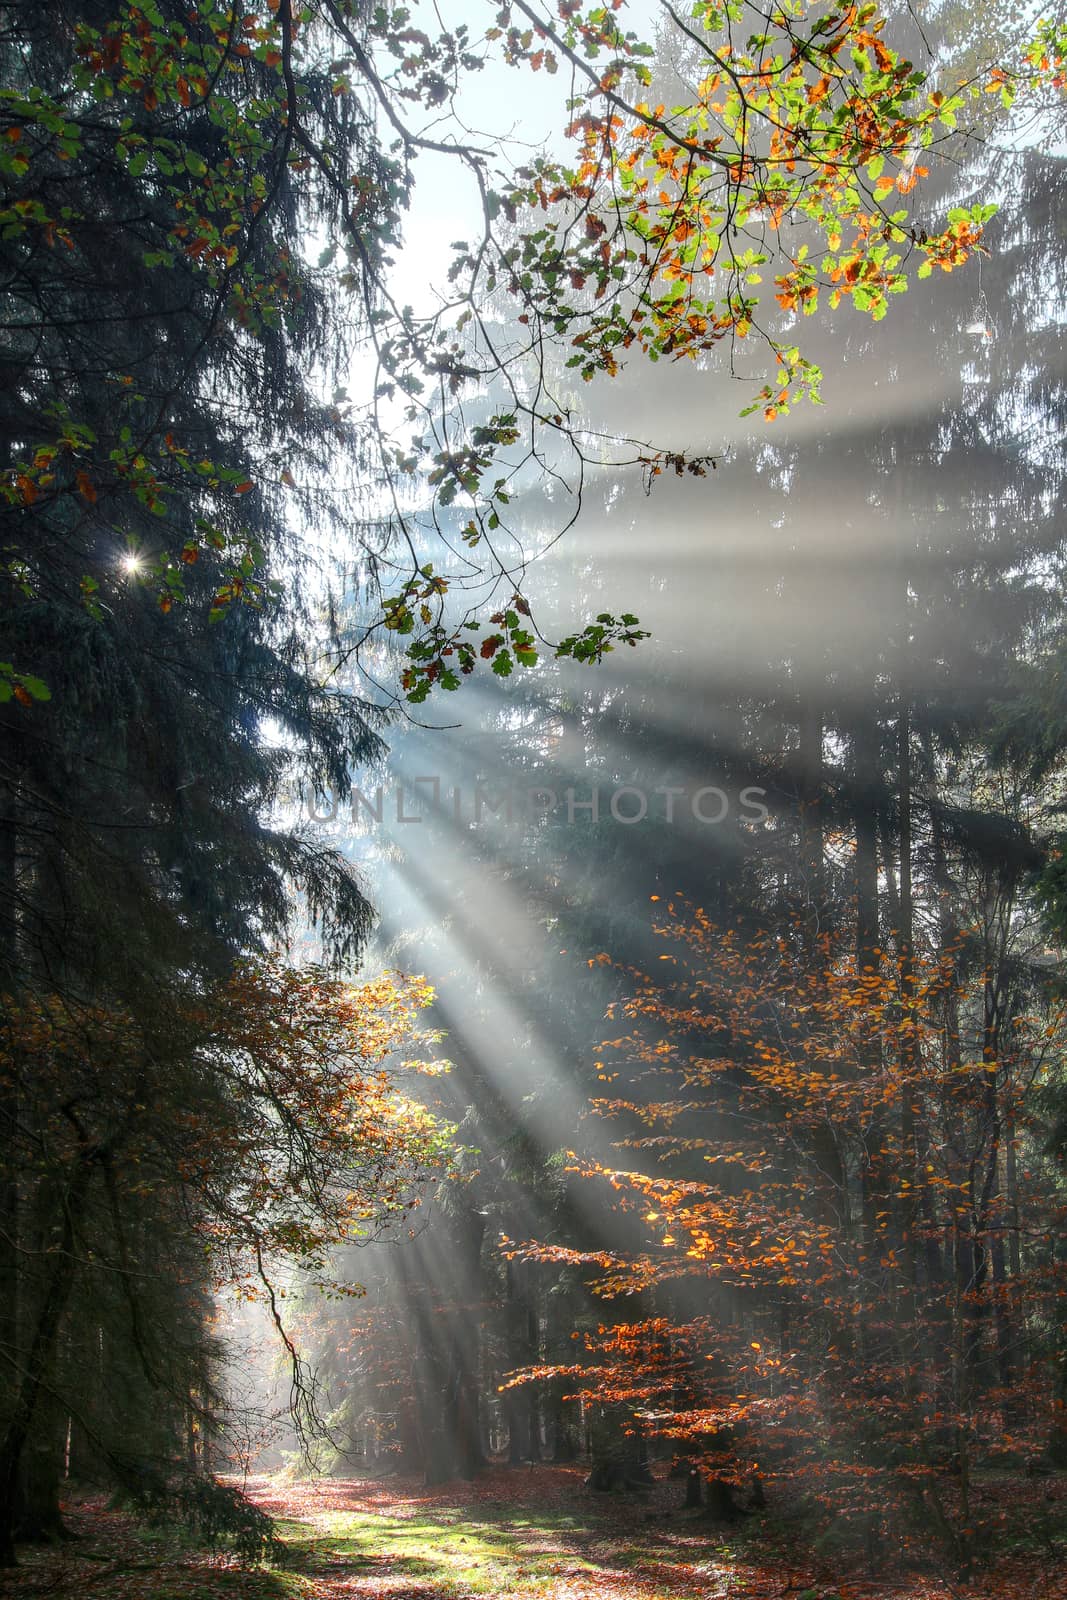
point(136, 861)
point(239, 1139)
point(207, 136)
point(803, 1314)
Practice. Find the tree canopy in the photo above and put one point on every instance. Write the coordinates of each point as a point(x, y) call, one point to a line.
point(163, 169)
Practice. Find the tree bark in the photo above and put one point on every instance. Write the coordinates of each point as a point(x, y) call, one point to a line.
point(41, 1352)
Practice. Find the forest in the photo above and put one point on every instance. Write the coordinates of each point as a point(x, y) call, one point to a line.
point(533, 779)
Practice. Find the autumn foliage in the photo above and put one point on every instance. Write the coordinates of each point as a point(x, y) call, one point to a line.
point(272, 1111)
point(844, 1266)
point(238, 1138)
point(782, 181)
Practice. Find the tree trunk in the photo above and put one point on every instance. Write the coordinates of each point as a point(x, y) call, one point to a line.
point(37, 1516)
point(720, 1501)
point(42, 1348)
point(910, 1064)
point(866, 807)
point(810, 759)
point(9, 1100)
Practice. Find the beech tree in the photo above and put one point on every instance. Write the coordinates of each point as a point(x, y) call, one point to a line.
point(843, 1221)
point(238, 1139)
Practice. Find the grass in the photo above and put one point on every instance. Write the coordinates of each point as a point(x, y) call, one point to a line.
point(531, 1535)
point(453, 1553)
point(518, 1534)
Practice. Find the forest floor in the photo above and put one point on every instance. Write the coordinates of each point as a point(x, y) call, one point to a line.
point(531, 1534)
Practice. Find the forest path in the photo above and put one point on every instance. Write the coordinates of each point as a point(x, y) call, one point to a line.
point(537, 1533)
point(522, 1534)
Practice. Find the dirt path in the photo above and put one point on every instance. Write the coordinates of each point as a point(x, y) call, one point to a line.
point(529, 1534)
